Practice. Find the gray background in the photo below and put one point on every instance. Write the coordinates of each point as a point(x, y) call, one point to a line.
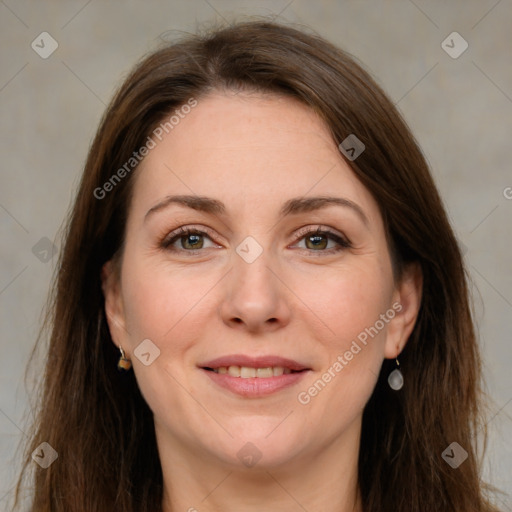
point(459, 109)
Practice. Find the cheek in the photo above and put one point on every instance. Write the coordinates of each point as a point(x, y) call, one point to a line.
point(350, 301)
point(164, 307)
point(355, 306)
point(158, 302)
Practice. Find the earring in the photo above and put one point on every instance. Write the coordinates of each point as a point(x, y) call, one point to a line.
point(123, 364)
point(396, 379)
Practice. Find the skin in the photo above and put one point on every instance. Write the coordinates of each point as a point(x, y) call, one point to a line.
point(297, 300)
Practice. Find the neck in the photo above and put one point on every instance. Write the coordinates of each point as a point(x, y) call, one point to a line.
point(326, 480)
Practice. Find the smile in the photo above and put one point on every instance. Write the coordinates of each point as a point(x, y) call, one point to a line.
point(251, 377)
point(246, 372)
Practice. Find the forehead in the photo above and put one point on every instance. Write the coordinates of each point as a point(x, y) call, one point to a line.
point(245, 146)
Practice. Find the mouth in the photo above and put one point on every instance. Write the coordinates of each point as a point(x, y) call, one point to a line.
point(246, 372)
point(254, 377)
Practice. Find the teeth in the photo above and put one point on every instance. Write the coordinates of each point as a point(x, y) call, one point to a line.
point(264, 372)
point(234, 371)
point(246, 372)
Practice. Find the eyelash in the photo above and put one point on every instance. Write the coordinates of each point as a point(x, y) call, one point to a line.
point(342, 242)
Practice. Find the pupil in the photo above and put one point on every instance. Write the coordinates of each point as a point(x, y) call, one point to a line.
point(318, 239)
point(194, 238)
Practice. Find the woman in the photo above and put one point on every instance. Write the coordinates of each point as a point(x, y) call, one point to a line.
point(258, 246)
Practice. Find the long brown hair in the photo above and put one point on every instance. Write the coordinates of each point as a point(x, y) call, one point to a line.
point(96, 418)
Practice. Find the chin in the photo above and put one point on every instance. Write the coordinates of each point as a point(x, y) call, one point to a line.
point(260, 444)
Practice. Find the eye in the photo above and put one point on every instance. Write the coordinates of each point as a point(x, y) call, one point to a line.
point(188, 239)
point(192, 240)
point(317, 240)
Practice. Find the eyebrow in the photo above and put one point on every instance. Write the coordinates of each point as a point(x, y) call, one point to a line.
point(290, 207)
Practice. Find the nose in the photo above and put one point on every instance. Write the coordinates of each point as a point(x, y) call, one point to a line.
point(256, 298)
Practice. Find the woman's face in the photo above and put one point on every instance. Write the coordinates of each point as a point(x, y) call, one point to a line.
point(260, 331)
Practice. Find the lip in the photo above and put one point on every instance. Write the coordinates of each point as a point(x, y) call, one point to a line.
point(257, 386)
point(254, 362)
point(254, 387)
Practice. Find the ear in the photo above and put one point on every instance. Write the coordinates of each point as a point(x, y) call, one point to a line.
point(406, 303)
point(111, 286)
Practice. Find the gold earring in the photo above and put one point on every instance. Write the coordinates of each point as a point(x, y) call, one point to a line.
point(123, 364)
point(396, 379)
